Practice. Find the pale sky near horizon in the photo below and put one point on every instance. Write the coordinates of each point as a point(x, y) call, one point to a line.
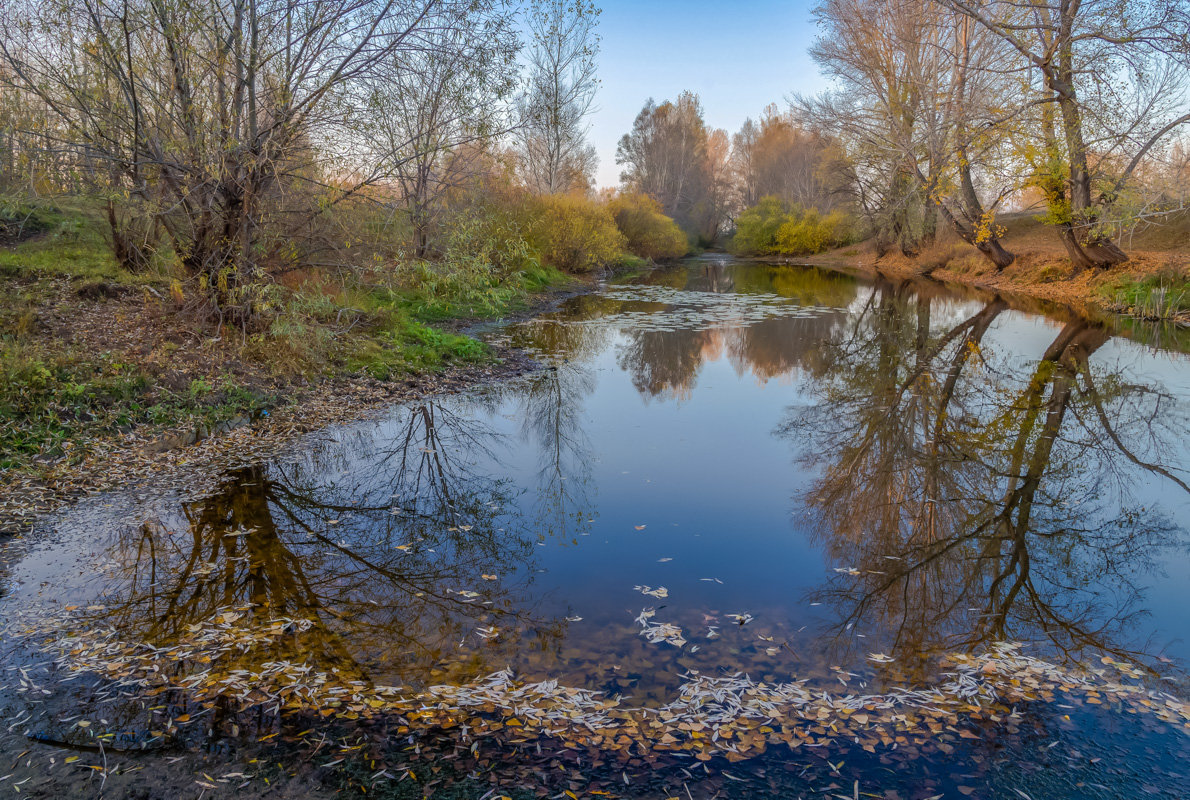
point(737, 56)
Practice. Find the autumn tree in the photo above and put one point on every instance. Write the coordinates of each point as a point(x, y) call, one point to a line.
point(670, 155)
point(874, 112)
point(778, 157)
point(1116, 73)
point(718, 203)
point(29, 162)
point(552, 139)
point(648, 232)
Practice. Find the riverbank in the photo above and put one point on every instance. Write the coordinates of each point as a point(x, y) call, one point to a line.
point(1154, 284)
point(516, 592)
point(256, 422)
point(105, 376)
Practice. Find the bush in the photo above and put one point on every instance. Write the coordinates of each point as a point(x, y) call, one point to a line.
point(574, 234)
point(772, 227)
point(757, 227)
point(650, 234)
point(804, 235)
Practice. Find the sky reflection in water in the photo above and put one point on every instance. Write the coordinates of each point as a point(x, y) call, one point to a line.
point(858, 468)
point(814, 468)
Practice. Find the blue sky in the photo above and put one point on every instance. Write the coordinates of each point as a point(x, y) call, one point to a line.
point(738, 57)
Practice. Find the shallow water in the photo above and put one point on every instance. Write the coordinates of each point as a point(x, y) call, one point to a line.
point(727, 468)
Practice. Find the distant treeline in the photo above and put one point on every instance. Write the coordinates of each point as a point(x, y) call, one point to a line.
point(942, 114)
point(235, 142)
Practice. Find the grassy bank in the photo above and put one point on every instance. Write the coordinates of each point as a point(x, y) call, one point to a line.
point(88, 350)
point(1154, 284)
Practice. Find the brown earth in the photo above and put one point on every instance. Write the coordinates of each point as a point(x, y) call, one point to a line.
point(1042, 269)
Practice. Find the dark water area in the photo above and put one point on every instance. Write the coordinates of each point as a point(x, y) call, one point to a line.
point(732, 470)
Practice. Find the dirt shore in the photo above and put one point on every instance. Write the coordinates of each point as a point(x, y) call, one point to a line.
point(109, 461)
point(1041, 269)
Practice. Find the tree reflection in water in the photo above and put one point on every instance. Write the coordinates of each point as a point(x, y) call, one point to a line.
point(550, 407)
point(665, 363)
point(385, 557)
point(965, 501)
point(973, 501)
point(551, 411)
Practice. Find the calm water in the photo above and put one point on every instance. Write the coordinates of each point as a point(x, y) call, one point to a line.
point(802, 475)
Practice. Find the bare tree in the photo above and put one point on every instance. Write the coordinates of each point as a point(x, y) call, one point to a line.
point(1116, 72)
point(779, 156)
point(430, 111)
point(555, 154)
point(666, 155)
point(744, 167)
point(209, 112)
point(925, 89)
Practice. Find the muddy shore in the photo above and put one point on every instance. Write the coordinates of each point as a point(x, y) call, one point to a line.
point(1039, 274)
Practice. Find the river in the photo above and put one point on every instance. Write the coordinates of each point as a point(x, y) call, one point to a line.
point(753, 531)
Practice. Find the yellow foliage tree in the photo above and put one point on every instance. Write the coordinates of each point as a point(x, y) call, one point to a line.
point(650, 234)
point(574, 234)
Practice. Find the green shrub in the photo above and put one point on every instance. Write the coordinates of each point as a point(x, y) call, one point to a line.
point(772, 227)
point(757, 227)
point(491, 234)
point(574, 234)
point(484, 267)
point(650, 234)
point(803, 235)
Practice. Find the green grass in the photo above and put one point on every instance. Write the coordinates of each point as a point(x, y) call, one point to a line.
point(407, 346)
point(52, 400)
point(70, 240)
point(1157, 297)
point(394, 325)
point(433, 292)
point(56, 395)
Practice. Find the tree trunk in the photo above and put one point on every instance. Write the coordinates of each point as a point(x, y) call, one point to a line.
point(1090, 252)
point(996, 253)
point(130, 240)
point(1086, 244)
point(421, 237)
point(990, 247)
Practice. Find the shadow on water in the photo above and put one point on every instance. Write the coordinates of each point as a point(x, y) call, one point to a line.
point(724, 470)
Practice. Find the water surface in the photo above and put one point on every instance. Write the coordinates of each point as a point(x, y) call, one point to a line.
point(725, 469)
